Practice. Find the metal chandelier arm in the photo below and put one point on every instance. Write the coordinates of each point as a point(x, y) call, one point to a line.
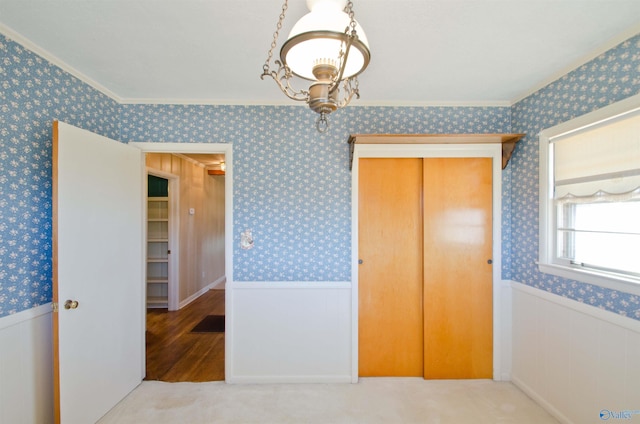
point(282, 77)
point(349, 88)
point(343, 63)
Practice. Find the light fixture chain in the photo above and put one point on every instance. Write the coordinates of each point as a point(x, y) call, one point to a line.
point(276, 34)
point(352, 20)
point(282, 76)
point(344, 54)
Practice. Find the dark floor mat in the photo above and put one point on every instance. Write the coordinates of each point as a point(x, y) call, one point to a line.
point(210, 324)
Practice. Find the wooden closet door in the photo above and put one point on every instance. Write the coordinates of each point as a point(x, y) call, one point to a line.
point(458, 293)
point(390, 276)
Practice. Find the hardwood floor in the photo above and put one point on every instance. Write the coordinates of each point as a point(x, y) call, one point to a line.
point(174, 353)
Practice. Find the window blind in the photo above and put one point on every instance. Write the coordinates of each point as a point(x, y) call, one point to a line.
point(599, 161)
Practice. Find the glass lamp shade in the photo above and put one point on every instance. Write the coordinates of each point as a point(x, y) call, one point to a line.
point(319, 36)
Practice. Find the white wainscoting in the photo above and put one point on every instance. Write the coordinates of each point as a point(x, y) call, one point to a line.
point(283, 332)
point(574, 359)
point(26, 372)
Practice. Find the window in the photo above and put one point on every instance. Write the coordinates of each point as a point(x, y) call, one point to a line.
point(590, 197)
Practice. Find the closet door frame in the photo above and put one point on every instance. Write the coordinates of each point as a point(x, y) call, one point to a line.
point(494, 151)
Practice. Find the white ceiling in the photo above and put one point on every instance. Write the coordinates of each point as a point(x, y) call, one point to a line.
point(423, 51)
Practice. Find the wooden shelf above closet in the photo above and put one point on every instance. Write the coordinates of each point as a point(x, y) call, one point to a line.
point(508, 141)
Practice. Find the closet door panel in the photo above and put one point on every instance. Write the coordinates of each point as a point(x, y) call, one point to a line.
point(458, 316)
point(390, 276)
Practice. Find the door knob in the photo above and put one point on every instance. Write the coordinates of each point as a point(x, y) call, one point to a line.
point(71, 304)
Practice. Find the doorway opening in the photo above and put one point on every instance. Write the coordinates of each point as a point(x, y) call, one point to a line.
point(199, 193)
point(185, 266)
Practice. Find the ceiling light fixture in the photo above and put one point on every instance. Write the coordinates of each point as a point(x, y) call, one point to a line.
point(326, 46)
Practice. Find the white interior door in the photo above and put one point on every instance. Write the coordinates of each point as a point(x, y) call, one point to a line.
point(98, 262)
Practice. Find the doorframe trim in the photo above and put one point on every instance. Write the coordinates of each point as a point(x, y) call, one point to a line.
point(227, 150)
point(432, 151)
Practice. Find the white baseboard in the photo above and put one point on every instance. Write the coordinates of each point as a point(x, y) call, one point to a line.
point(219, 284)
point(300, 379)
point(200, 292)
point(541, 401)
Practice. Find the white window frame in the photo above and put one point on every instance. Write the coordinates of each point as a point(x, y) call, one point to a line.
point(546, 260)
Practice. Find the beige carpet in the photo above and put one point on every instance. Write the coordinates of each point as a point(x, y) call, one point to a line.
point(372, 400)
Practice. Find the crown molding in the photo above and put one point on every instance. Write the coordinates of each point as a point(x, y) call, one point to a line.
point(54, 60)
point(286, 102)
point(207, 102)
point(30, 45)
point(436, 103)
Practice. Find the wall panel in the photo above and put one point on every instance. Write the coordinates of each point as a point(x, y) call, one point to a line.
point(26, 373)
point(290, 332)
point(576, 360)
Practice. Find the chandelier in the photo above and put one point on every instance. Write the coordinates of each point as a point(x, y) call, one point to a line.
point(327, 47)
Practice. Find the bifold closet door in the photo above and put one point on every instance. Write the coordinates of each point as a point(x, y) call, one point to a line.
point(390, 275)
point(458, 288)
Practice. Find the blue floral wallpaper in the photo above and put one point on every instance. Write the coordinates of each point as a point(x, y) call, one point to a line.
point(610, 77)
point(33, 93)
point(291, 184)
